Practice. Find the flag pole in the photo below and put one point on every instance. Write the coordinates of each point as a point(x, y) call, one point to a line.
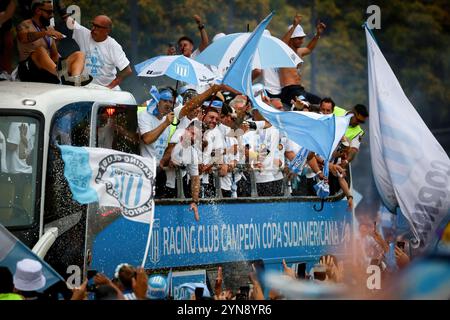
point(147, 247)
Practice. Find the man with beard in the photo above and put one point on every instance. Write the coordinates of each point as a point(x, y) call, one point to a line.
point(38, 53)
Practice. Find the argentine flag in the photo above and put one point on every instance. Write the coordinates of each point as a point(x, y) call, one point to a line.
point(13, 250)
point(315, 132)
point(111, 178)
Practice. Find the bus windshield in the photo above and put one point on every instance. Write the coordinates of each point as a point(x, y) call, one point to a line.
point(19, 150)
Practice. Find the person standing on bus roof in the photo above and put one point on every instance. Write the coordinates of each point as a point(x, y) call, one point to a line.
point(103, 53)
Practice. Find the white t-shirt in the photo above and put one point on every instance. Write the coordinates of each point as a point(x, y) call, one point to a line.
point(102, 58)
point(260, 142)
point(229, 142)
point(188, 156)
point(215, 141)
point(13, 161)
point(356, 142)
point(147, 123)
point(271, 81)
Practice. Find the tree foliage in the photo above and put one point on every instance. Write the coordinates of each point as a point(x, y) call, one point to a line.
point(414, 37)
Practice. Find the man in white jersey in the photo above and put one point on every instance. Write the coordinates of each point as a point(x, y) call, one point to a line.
point(103, 54)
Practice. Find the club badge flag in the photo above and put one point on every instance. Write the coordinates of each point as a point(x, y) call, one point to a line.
point(410, 167)
point(111, 178)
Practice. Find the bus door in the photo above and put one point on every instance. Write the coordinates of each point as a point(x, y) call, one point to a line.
point(113, 127)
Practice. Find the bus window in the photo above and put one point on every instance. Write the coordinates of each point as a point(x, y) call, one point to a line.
point(70, 126)
point(117, 128)
point(19, 150)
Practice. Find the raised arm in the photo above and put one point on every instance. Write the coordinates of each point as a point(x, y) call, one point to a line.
point(203, 34)
point(197, 101)
point(312, 44)
point(295, 23)
point(8, 13)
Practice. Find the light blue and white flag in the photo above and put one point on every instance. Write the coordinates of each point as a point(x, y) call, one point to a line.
point(410, 168)
point(315, 132)
point(111, 178)
point(13, 250)
point(298, 163)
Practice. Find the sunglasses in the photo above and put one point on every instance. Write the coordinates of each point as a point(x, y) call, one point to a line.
point(46, 11)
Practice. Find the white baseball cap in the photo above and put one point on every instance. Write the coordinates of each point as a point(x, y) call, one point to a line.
point(28, 276)
point(298, 32)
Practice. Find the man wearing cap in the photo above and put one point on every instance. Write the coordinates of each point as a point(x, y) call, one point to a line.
point(290, 78)
point(104, 55)
point(38, 53)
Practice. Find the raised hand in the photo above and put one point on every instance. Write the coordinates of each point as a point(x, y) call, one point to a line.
point(320, 28)
point(297, 20)
point(170, 117)
point(288, 271)
point(81, 292)
point(139, 283)
point(197, 19)
point(401, 257)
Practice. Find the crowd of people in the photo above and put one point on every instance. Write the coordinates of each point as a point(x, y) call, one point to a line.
point(328, 278)
point(210, 135)
point(221, 145)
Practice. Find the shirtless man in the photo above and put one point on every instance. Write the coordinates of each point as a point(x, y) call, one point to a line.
point(290, 78)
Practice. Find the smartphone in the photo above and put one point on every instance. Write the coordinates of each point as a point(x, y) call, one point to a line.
point(91, 274)
point(401, 245)
point(199, 293)
point(243, 293)
point(301, 270)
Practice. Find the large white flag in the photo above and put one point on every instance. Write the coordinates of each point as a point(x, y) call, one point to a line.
point(111, 178)
point(411, 169)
